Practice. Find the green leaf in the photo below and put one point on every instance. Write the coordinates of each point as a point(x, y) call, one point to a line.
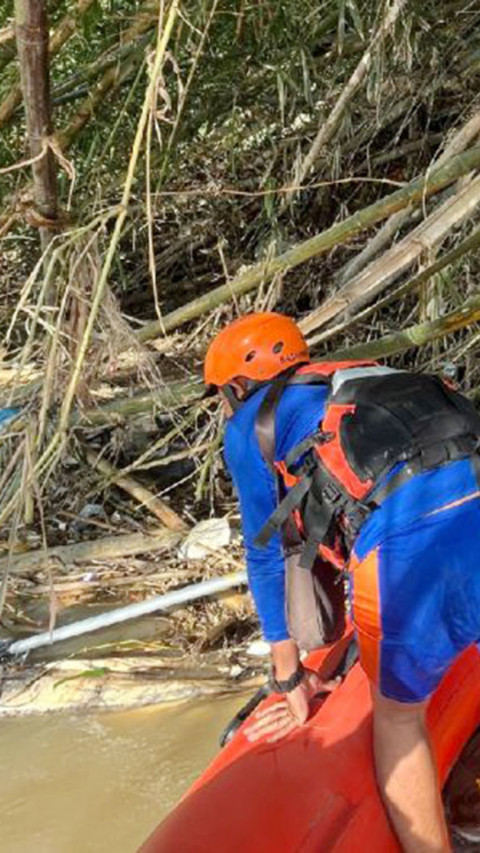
point(356, 17)
point(98, 672)
point(91, 20)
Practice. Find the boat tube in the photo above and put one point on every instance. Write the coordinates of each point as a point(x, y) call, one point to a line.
point(315, 790)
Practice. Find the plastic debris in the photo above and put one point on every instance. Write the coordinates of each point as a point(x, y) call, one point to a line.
point(207, 536)
point(7, 415)
point(258, 648)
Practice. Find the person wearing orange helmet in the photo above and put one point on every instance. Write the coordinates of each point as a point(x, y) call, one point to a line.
point(255, 348)
point(355, 466)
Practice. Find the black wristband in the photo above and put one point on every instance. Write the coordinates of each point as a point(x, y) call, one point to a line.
point(290, 683)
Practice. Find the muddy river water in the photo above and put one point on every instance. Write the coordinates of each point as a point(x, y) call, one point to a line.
point(97, 784)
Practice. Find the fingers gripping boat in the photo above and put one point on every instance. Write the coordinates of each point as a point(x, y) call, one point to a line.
point(315, 791)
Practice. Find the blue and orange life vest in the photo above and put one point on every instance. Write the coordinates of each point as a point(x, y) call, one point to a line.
point(375, 418)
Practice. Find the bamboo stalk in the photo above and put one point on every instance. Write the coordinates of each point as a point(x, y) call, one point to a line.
point(339, 233)
point(415, 336)
point(376, 277)
point(168, 398)
point(472, 242)
point(459, 142)
point(329, 128)
point(108, 548)
point(32, 46)
point(100, 285)
point(141, 494)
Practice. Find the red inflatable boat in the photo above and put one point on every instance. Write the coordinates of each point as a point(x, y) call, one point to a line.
point(314, 791)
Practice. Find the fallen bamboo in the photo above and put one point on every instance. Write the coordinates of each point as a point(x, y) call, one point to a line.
point(77, 84)
point(140, 493)
point(113, 617)
point(414, 336)
point(339, 233)
point(458, 143)
point(111, 80)
point(109, 548)
point(379, 274)
point(167, 398)
point(472, 242)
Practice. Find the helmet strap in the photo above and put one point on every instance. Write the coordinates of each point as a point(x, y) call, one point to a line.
point(252, 386)
point(232, 398)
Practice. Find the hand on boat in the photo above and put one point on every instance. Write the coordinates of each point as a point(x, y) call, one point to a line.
point(291, 711)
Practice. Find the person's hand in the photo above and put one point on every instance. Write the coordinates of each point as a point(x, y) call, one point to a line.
point(291, 711)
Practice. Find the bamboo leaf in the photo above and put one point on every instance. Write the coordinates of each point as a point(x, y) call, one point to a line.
point(96, 672)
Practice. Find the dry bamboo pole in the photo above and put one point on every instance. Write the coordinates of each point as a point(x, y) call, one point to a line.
point(140, 493)
point(170, 397)
point(329, 128)
point(459, 142)
point(415, 336)
point(339, 233)
point(50, 456)
point(471, 242)
point(32, 45)
point(63, 32)
point(382, 272)
point(108, 548)
point(58, 438)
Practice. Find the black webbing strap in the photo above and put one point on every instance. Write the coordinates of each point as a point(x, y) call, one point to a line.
point(475, 460)
point(292, 499)
point(265, 420)
point(426, 459)
point(309, 552)
point(301, 448)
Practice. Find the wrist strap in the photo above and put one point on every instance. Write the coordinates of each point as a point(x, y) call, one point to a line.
point(290, 683)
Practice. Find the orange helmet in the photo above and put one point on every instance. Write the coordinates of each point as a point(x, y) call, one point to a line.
point(257, 346)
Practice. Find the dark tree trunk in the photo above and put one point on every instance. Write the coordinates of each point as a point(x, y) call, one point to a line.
point(31, 27)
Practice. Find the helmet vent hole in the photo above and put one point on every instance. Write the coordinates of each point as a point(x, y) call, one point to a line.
point(250, 356)
point(277, 347)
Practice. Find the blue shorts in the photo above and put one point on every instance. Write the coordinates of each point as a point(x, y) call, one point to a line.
point(415, 595)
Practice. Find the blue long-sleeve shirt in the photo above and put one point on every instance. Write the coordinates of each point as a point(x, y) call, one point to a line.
point(300, 410)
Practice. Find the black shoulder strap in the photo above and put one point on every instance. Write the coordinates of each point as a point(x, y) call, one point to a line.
point(265, 420)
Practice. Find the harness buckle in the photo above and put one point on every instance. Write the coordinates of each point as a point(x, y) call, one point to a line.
point(331, 494)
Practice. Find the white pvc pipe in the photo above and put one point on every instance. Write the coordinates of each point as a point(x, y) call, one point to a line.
point(123, 614)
